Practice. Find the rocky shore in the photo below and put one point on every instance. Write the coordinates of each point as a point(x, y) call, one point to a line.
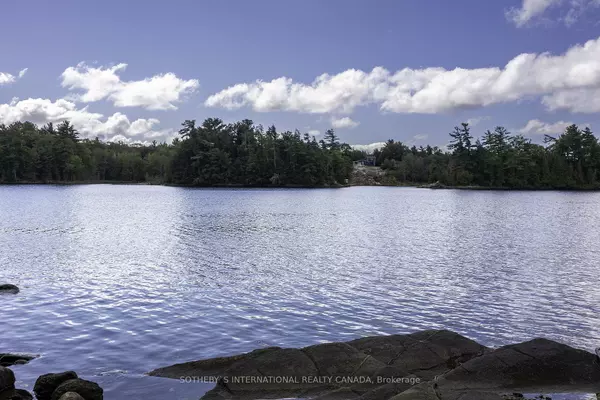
point(58, 386)
point(428, 365)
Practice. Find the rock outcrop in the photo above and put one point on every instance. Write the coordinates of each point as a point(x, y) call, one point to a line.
point(7, 288)
point(373, 366)
point(539, 365)
point(59, 386)
point(7, 387)
point(428, 365)
point(46, 384)
point(86, 389)
point(7, 379)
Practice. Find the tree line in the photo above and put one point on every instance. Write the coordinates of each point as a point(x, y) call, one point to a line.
point(499, 159)
point(210, 154)
point(242, 153)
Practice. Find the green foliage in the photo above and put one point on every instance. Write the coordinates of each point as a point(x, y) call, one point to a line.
point(56, 154)
point(244, 154)
point(213, 153)
point(499, 160)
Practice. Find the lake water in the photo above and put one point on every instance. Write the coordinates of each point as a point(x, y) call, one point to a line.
point(119, 280)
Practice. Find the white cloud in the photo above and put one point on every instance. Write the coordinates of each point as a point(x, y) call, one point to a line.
point(537, 127)
point(314, 132)
point(160, 92)
point(582, 100)
point(346, 122)
point(328, 93)
point(369, 148)
point(431, 90)
point(89, 124)
point(421, 137)
point(530, 10)
point(6, 78)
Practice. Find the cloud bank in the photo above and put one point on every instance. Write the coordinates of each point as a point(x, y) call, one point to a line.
point(567, 81)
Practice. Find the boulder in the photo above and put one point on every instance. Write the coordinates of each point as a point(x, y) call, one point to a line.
point(7, 359)
point(86, 389)
point(46, 384)
point(7, 288)
point(7, 379)
point(15, 394)
point(536, 366)
point(71, 396)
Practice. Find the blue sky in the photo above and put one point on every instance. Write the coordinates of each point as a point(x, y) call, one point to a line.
point(134, 70)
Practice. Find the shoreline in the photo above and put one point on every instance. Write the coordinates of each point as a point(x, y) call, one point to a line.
point(430, 186)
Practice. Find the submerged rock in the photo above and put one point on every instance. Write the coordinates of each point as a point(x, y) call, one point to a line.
point(7, 379)
point(7, 288)
point(86, 389)
point(46, 384)
point(7, 359)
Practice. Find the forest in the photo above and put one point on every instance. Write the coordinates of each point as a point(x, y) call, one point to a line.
point(244, 154)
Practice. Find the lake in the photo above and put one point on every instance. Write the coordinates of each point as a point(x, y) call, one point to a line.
point(118, 280)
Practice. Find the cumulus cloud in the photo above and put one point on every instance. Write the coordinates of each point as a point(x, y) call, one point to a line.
point(369, 148)
point(328, 93)
point(346, 122)
point(314, 132)
point(160, 92)
point(6, 78)
point(530, 10)
point(89, 124)
point(574, 75)
point(421, 137)
point(537, 127)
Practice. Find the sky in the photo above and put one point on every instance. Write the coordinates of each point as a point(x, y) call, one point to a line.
point(373, 70)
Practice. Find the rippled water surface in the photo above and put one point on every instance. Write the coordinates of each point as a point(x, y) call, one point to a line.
point(119, 280)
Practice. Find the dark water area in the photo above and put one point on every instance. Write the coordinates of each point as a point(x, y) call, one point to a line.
point(119, 280)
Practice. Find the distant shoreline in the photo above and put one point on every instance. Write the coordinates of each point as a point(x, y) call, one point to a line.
point(292, 186)
point(223, 186)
